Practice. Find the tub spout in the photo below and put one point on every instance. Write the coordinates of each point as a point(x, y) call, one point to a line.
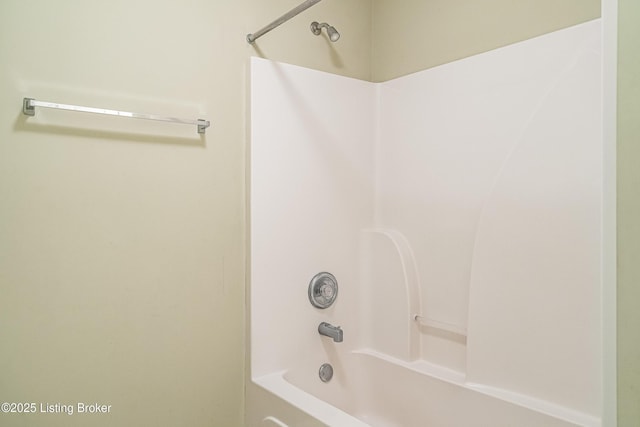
point(330, 331)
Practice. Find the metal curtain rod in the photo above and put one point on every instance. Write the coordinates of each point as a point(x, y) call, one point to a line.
point(29, 104)
point(284, 18)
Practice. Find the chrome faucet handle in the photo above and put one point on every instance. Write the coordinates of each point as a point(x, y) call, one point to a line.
point(323, 290)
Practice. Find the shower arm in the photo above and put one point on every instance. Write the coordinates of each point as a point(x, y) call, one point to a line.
point(284, 18)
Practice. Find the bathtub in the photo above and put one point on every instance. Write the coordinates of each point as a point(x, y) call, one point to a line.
point(360, 395)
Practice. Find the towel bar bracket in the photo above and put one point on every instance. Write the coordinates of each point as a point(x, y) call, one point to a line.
point(27, 108)
point(202, 125)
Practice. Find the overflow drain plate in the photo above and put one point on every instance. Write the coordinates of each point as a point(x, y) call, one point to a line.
point(326, 372)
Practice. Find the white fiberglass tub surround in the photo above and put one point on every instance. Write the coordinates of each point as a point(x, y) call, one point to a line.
point(468, 195)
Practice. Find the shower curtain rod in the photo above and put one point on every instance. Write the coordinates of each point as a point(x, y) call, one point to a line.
point(284, 18)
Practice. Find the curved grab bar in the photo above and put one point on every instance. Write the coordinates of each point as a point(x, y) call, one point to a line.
point(275, 421)
point(436, 324)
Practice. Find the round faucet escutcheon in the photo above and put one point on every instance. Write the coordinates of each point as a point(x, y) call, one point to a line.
point(323, 290)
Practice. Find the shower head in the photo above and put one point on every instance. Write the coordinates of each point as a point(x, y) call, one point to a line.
point(333, 34)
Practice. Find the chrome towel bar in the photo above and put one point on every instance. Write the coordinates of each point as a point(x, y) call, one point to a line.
point(29, 104)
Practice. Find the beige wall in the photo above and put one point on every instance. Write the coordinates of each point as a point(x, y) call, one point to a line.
point(628, 213)
point(122, 242)
point(413, 35)
point(294, 43)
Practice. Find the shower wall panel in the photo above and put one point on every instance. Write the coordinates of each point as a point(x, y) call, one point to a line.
point(311, 194)
point(491, 168)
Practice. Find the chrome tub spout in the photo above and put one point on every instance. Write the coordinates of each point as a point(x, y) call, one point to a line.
point(330, 331)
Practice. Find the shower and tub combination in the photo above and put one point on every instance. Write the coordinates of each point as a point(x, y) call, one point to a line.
point(427, 251)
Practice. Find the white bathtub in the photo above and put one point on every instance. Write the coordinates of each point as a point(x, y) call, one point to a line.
point(372, 389)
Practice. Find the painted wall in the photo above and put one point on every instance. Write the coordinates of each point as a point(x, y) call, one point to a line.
point(413, 35)
point(628, 213)
point(294, 43)
point(122, 242)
